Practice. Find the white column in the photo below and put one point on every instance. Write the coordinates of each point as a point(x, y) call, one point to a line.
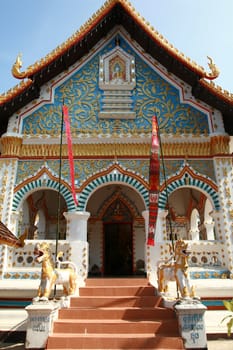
point(76, 234)
point(194, 231)
point(209, 230)
point(217, 217)
point(161, 232)
point(77, 225)
point(15, 216)
point(224, 217)
point(194, 234)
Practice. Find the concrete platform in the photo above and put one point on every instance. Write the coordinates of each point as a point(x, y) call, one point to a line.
point(213, 287)
point(222, 344)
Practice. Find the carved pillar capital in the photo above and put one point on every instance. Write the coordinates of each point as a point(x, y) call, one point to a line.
point(11, 144)
point(219, 144)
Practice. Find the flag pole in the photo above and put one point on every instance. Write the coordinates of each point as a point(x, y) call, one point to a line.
point(59, 184)
point(166, 191)
point(154, 173)
point(169, 209)
point(70, 152)
point(59, 194)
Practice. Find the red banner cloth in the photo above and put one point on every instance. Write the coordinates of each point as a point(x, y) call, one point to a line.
point(153, 182)
point(70, 152)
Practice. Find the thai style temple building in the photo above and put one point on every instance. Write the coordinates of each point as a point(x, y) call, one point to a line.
point(114, 74)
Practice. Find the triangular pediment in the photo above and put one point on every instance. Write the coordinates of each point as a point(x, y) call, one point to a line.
point(113, 13)
point(101, 104)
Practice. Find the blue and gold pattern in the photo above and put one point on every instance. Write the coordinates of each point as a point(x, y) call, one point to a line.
point(202, 166)
point(85, 168)
point(82, 95)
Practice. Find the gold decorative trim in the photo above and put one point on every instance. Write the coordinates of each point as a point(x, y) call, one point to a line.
point(220, 145)
point(10, 94)
point(218, 90)
point(85, 150)
point(12, 146)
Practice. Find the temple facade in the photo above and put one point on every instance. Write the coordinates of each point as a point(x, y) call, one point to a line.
point(114, 74)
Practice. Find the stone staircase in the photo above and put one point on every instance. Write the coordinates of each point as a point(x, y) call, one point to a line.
point(119, 313)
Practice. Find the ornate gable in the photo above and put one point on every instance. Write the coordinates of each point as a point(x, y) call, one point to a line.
point(114, 13)
point(99, 105)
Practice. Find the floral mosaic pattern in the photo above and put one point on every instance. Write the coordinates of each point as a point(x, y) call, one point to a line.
point(84, 169)
point(82, 95)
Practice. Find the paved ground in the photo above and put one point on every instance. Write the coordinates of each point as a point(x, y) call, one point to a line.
point(7, 343)
point(219, 344)
point(19, 346)
point(212, 345)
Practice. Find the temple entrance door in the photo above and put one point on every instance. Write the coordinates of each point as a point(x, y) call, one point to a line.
point(118, 249)
point(116, 232)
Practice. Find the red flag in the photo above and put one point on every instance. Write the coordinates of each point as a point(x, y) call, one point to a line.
point(153, 182)
point(70, 152)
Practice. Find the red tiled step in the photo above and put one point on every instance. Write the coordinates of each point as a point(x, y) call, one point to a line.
point(133, 313)
point(117, 282)
point(117, 313)
point(117, 291)
point(106, 301)
point(112, 326)
point(113, 341)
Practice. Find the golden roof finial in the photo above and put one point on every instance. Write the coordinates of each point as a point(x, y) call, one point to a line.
point(15, 70)
point(214, 71)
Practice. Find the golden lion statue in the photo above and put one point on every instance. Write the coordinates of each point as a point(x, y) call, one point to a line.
point(176, 269)
point(51, 275)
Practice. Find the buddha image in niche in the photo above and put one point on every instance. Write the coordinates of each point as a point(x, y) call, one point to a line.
point(117, 71)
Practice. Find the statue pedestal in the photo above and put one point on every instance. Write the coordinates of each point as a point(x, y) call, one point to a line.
point(40, 321)
point(191, 323)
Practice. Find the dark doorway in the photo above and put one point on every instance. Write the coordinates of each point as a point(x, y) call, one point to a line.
point(118, 249)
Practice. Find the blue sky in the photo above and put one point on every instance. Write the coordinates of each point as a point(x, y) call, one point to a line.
point(198, 28)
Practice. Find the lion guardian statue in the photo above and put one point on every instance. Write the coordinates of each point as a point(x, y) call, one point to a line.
point(51, 275)
point(176, 269)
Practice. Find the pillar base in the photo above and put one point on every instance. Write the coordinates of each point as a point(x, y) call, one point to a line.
point(191, 323)
point(39, 324)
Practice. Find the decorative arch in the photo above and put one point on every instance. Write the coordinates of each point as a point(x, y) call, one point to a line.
point(40, 181)
point(113, 176)
point(188, 178)
point(123, 199)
